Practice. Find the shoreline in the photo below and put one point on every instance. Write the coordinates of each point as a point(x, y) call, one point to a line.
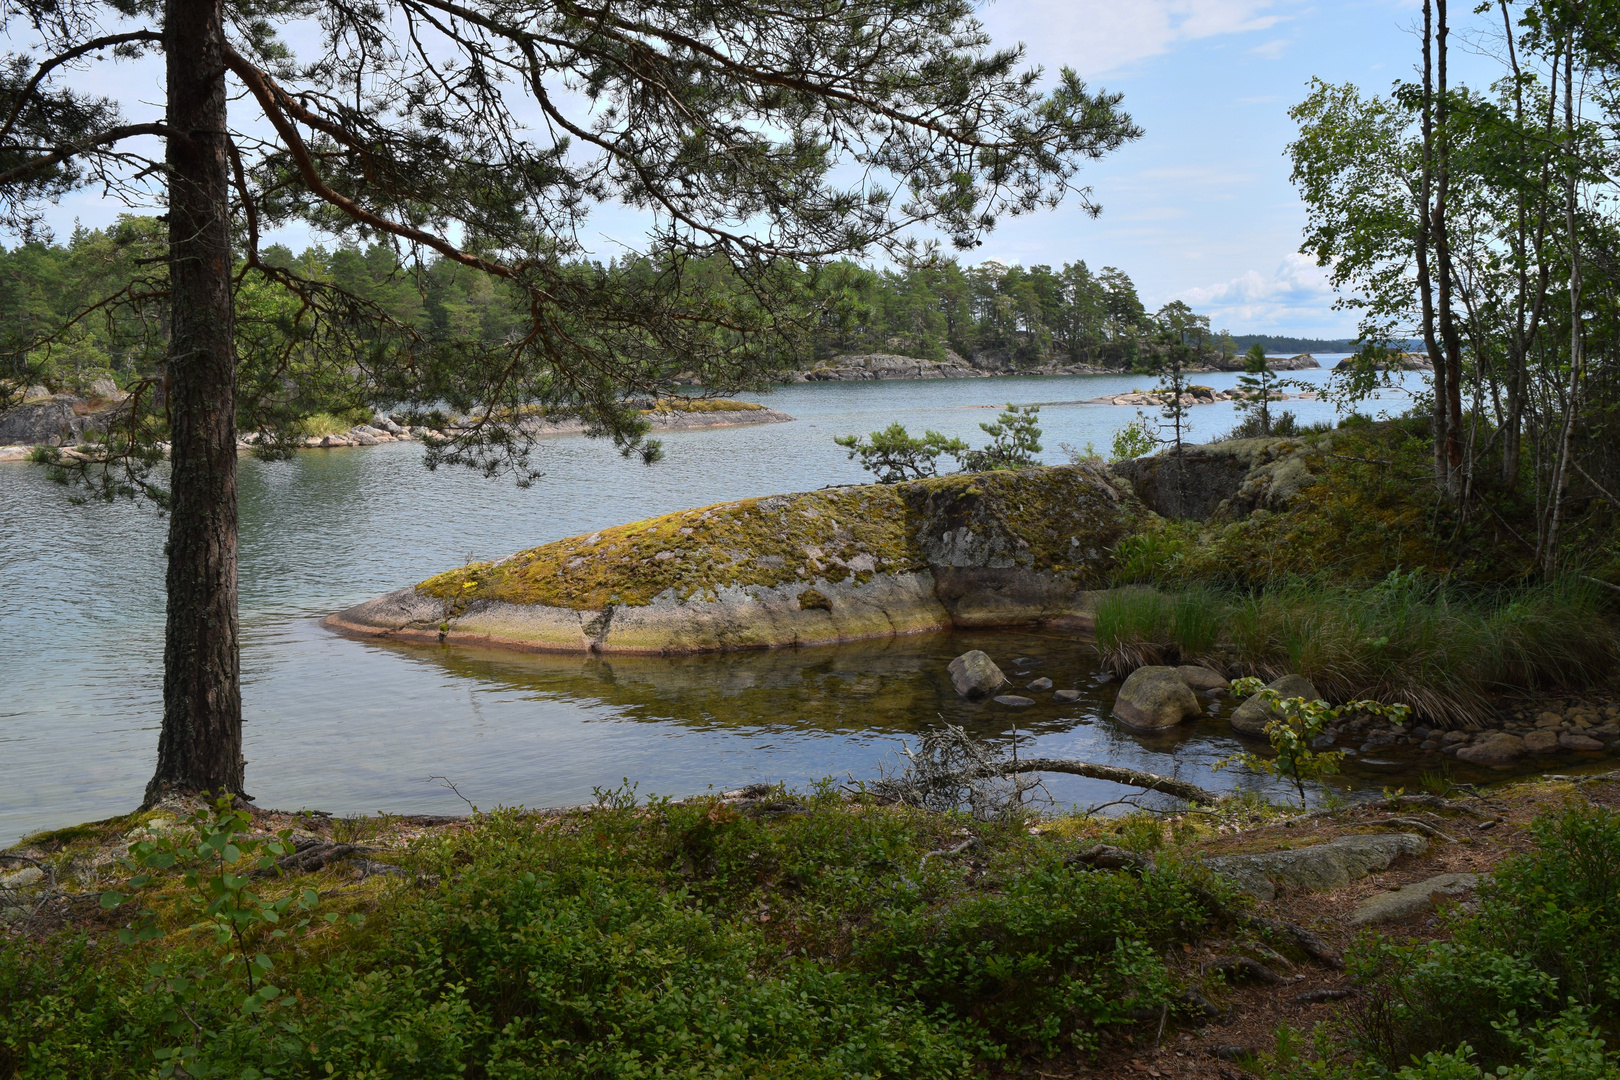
point(385, 429)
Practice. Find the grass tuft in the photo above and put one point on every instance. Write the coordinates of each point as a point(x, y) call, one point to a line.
point(1410, 639)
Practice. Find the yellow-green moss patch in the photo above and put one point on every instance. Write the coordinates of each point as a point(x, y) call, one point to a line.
point(701, 405)
point(830, 535)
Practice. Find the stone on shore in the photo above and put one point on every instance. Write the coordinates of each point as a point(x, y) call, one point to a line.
point(1317, 868)
point(1541, 742)
point(975, 675)
point(1497, 748)
point(1199, 677)
point(1251, 717)
point(1155, 698)
point(1571, 740)
point(1412, 899)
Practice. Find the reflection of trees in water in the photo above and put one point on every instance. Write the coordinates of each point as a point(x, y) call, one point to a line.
point(897, 685)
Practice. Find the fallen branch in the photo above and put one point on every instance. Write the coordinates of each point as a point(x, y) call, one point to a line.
point(945, 853)
point(1117, 774)
point(1420, 826)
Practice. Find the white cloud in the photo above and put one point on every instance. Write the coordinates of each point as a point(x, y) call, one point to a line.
point(1295, 298)
point(1099, 36)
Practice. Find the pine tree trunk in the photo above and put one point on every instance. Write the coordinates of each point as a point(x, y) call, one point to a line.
point(200, 746)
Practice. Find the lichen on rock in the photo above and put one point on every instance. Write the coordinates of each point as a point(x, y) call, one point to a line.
point(1000, 548)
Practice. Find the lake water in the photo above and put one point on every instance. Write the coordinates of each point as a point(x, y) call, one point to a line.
point(346, 726)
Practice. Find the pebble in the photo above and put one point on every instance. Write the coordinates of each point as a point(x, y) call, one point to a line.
point(1040, 684)
point(1066, 695)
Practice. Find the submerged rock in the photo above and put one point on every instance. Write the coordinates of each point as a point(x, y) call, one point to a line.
point(1497, 748)
point(1251, 717)
point(1014, 700)
point(975, 675)
point(1202, 678)
point(1154, 698)
point(1065, 696)
point(1038, 684)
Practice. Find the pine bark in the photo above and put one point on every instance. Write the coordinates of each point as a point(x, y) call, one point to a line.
point(200, 746)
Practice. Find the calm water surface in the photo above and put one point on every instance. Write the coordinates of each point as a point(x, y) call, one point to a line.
point(345, 726)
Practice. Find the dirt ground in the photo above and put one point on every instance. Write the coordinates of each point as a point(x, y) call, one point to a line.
point(1492, 827)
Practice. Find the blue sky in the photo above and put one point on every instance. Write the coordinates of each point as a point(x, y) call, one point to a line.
point(1200, 209)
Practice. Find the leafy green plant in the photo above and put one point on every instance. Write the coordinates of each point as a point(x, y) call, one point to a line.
point(1147, 557)
point(215, 863)
point(893, 455)
point(1015, 440)
point(1135, 439)
point(1295, 725)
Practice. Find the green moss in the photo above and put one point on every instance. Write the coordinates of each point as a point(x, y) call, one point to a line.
point(825, 535)
point(701, 405)
point(1051, 519)
point(811, 600)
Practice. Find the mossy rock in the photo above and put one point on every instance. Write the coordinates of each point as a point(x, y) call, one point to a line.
point(839, 564)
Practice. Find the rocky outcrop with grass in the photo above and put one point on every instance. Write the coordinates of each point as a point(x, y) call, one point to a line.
point(1007, 548)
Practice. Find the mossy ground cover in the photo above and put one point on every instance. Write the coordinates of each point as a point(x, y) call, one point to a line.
point(817, 934)
point(802, 936)
point(1061, 519)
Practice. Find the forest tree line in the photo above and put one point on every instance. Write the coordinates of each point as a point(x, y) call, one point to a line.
point(88, 308)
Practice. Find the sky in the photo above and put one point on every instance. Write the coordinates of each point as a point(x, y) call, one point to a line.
point(1200, 208)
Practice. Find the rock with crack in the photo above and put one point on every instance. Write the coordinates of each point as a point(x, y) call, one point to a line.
point(1318, 868)
point(1009, 548)
point(1412, 899)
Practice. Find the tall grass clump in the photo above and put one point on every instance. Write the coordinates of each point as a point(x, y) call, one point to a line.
point(1140, 625)
point(1410, 639)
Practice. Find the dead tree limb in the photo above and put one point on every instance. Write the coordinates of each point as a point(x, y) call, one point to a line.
point(1117, 774)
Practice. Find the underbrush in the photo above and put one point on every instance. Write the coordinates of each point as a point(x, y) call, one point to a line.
point(1409, 639)
point(810, 937)
point(1527, 986)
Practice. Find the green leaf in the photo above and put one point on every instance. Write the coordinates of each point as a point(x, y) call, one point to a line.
point(110, 900)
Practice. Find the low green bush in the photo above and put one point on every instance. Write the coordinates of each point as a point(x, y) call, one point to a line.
point(1524, 987)
point(635, 941)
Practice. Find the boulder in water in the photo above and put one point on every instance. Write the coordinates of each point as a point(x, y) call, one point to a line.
point(1155, 698)
point(975, 675)
point(1251, 717)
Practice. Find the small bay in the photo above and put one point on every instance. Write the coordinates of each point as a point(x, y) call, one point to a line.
point(346, 726)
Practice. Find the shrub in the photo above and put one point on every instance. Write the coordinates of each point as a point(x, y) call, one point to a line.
point(893, 455)
point(1546, 936)
point(1135, 439)
point(1139, 626)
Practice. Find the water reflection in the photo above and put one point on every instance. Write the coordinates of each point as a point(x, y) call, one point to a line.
point(350, 726)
